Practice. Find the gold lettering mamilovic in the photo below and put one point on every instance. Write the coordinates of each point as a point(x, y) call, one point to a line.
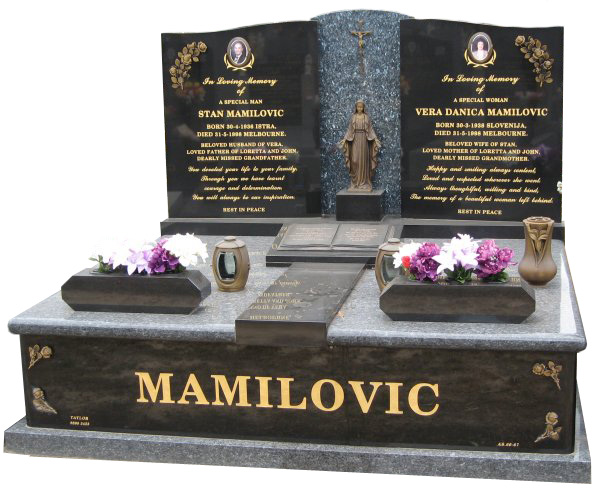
point(394, 401)
point(364, 404)
point(263, 386)
point(285, 395)
point(196, 390)
point(338, 391)
point(163, 383)
point(240, 385)
point(413, 398)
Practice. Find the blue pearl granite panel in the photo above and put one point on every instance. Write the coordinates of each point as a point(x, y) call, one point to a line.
point(343, 82)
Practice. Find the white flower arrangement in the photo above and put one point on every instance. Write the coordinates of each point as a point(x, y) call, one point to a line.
point(168, 255)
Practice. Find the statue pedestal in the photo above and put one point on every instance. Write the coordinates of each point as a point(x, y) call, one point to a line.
point(359, 206)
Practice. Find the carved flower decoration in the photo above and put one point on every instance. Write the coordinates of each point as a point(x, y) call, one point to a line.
point(46, 352)
point(538, 236)
point(538, 368)
point(179, 72)
point(538, 55)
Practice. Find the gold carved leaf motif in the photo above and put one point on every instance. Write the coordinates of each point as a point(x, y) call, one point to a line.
point(551, 371)
point(36, 354)
point(537, 54)
point(179, 71)
point(552, 432)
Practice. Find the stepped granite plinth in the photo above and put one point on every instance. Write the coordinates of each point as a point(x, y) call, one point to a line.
point(563, 468)
point(378, 396)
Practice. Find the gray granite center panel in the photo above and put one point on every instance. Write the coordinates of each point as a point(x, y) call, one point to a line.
point(555, 325)
point(342, 82)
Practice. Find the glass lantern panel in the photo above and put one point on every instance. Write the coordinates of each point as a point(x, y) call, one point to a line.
point(227, 265)
point(388, 271)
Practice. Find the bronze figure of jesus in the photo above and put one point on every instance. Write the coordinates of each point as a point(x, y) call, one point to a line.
point(360, 146)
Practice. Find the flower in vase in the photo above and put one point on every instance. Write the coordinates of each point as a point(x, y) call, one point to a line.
point(458, 258)
point(187, 248)
point(423, 266)
point(404, 254)
point(492, 261)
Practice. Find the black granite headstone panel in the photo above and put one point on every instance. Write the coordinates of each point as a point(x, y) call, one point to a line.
point(297, 308)
point(482, 138)
point(242, 130)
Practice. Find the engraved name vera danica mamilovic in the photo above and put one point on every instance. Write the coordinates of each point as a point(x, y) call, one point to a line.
point(236, 393)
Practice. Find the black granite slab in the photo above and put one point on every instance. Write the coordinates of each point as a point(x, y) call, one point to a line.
point(298, 307)
point(482, 139)
point(169, 293)
point(405, 227)
point(448, 228)
point(242, 140)
point(359, 206)
point(327, 394)
point(474, 302)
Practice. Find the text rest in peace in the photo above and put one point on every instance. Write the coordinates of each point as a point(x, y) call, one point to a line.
point(227, 393)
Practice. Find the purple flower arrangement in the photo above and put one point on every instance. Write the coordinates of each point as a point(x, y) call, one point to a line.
point(423, 266)
point(492, 261)
point(457, 260)
point(168, 255)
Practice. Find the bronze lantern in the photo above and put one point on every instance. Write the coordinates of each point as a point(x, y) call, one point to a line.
point(231, 264)
point(384, 263)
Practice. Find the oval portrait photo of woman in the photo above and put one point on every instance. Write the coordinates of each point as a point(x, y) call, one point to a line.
point(480, 48)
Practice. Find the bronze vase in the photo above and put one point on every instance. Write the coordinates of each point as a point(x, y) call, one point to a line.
point(537, 266)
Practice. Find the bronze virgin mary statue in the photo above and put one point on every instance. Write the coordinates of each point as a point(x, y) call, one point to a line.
point(360, 146)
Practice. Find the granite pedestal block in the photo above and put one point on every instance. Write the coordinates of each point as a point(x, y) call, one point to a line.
point(376, 386)
point(473, 302)
point(359, 206)
point(170, 293)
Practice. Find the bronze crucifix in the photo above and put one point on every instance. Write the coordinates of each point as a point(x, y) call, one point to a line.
point(361, 33)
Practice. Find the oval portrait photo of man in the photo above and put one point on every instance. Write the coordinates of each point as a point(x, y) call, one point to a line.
point(238, 52)
point(480, 48)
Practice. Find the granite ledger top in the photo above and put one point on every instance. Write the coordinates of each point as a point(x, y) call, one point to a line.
point(556, 324)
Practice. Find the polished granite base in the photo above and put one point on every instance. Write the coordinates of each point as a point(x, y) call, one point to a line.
point(555, 326)
point(565, 468)
point(359, 206)
point(405, 227)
